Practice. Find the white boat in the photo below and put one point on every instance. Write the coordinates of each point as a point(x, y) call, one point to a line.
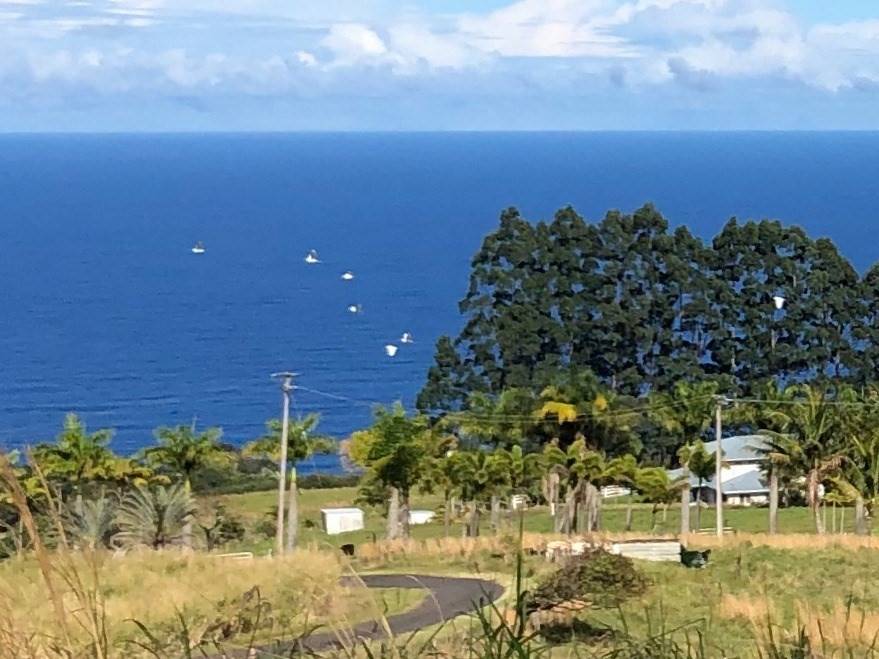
point(312, 257)
point(391, 350)
point(407, 338)
point(348, 276)
point(199, 248)
point(355, 308)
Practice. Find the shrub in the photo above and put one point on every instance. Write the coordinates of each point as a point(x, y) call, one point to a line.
point(597, 577)
point(326, 481)
point(220, 527)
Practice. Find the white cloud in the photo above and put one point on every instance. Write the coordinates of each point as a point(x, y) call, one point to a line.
point(352, 42)
point(531, 46)
point(545, 28)
point(306, 58)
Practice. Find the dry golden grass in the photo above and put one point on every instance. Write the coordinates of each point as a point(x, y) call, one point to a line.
point(790, 541)
point(152, 587)
point(755, 610)
point(841, 626)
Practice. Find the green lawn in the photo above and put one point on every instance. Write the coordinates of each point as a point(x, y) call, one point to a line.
point(257, 505)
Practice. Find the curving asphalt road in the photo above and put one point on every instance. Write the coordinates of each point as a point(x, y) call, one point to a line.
point(446, 598)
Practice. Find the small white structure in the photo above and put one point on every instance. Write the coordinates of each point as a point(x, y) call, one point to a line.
point(613, 491)
point(642, 550)
point(236, 556)
point(341, 520)
point(418, 517)
point(519, 502)
point(649, 550)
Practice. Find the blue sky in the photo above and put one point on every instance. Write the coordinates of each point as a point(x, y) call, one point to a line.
point(438, 64)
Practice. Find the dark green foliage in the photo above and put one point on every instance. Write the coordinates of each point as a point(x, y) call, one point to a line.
point(643, 307)
point(327, 481)
point(220, 527)
point(597, 577)
point(578, 631)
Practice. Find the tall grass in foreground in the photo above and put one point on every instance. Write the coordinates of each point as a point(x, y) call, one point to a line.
point(70, 603)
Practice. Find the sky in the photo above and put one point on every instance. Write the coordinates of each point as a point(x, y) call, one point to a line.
point(283, 65)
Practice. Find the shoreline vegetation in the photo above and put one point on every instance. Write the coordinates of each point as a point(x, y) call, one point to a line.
point(593, 356)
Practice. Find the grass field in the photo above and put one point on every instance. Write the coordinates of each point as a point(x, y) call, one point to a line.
point(257, 505)
point(754, 583)
point(268, 598)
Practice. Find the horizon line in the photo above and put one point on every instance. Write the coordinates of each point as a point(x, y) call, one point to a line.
point(438, 131)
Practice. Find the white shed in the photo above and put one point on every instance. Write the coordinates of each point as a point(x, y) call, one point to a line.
point(417, 517)
point(341, 520)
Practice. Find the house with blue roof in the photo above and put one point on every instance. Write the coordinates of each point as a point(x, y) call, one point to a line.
point(743, 482)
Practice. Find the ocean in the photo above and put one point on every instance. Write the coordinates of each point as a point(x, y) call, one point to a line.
point(105, 311)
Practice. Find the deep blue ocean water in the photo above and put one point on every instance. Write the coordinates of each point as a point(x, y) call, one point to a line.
point(105, 311)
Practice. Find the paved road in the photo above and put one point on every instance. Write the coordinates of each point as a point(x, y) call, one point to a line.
point(445, 598)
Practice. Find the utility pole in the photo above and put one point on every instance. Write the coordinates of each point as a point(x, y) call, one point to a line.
point(720, 401)
point(286, 388)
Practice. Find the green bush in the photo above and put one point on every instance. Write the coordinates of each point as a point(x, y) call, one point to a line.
point(325, 481)
point(598, 577)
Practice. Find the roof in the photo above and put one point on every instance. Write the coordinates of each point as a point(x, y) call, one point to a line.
point(739, 448)
point(736, 479)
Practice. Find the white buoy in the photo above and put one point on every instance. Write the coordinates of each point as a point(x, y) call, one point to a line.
point(312, 257)
point(391, 350)
point(407, 338)
point(348, 276)
point(354, 308)
point(779, 301)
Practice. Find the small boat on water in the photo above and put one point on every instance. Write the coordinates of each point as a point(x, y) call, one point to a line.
point(312, 257)
point(354, 308)
point(199, 248)
point(407, 338)
point(391, 350)
point(348, 276)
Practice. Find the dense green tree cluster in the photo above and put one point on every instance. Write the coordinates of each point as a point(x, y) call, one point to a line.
point(643, 307)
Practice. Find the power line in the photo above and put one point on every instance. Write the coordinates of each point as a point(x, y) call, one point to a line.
point(476, 416)
point(509, 416)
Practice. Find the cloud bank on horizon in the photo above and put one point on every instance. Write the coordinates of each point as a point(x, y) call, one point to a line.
point(437, 64)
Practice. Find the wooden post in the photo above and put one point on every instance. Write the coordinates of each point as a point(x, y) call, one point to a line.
point(286, 388)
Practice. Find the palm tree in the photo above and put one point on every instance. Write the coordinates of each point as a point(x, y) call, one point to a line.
point(623, 472)
point(478, 476)
point(578, 406)
point(810, 441)
point(156, 518)
point(438, 473)
point(701, 464)
point(183, 451)
point(657, 487)
point(768, 422)
point(92, 524)
point(685, 413)
point(519, 473)
point(302, 444)
point(577, 467)
point(860, 478)
point(76, 457)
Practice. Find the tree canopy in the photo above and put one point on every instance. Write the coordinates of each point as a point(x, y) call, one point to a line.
point(643, 307)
